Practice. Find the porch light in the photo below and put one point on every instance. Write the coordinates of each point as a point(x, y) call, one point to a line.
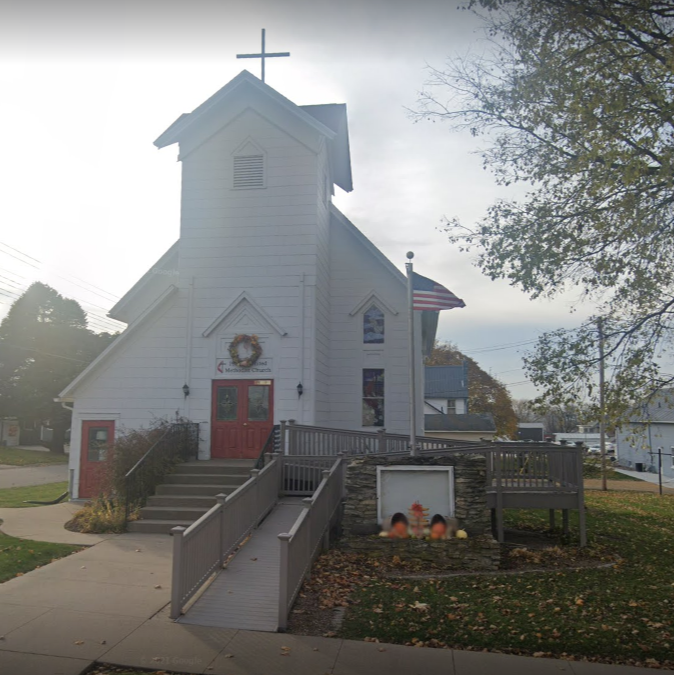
point(300, 389)
point(186, 389)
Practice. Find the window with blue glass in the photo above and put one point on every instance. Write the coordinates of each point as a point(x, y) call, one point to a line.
point(373, 397)
point(373, 326)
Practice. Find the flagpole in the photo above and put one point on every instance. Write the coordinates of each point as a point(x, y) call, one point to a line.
point(413, 401)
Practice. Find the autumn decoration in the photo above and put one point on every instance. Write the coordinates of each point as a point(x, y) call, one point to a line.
point(417, 525)
point(251, 341)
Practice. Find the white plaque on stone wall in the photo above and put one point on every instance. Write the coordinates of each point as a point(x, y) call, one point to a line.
point(398, 487)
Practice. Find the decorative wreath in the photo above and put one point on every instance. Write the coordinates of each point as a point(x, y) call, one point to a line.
point(253, 342)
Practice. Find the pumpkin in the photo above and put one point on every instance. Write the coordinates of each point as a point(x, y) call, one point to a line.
point(462, 534)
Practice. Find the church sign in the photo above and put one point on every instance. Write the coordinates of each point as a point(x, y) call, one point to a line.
point(224, 367)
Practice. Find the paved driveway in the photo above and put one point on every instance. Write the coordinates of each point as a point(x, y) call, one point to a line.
point(22, 476)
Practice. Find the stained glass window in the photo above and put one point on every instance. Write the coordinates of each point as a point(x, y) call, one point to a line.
point(373, 326)
point(373, 397)
point(227, 404)
point(258, 403)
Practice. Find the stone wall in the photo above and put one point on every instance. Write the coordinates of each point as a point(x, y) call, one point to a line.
point(361, 529)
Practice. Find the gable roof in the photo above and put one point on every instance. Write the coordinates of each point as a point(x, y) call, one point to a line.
point(165, 265)
point(658, 409)
point(337, 217)
point(328, 120)
point(115, 345)
point(333, 116)
point(446, 381)
point(243, 299)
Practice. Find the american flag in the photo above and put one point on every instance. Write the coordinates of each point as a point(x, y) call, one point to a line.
point(430, 295)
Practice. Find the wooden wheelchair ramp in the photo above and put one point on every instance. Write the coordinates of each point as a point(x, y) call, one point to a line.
point(245, 594)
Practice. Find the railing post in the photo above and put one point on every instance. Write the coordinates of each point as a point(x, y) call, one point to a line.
point(221, 499)
point(176, 590)
point(307, 503)
point(254, 473)
point(325, 517)
point(284, 541)
point(292, 439)
point(581, 498)
point(498, 456)
point(381, 441)
point(282, 437)
point(278, 457)
point(342, 467)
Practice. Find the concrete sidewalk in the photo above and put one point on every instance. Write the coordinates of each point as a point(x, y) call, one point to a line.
point(45, 523)
point(109, 603)
point(23, 476)
point(646, 476)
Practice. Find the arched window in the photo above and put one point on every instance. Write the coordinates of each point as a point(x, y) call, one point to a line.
point(373, 326)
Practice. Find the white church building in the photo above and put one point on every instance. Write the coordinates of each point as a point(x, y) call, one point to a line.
point(271, 305)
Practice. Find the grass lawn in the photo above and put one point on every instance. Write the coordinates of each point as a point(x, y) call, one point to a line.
point(623, 614)
point(592, 469)
point(15, 497)
point(21, 457)
point(18, 556)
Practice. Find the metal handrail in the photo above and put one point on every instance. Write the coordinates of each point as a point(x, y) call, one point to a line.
point(134, 474)
point(270, 445)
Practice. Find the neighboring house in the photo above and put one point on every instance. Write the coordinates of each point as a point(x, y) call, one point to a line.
point(267, 267)
point(10, 432)
point(651, 426)
point(446, 413)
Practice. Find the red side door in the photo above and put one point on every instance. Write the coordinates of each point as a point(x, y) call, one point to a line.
point(242, 417)
point(97, 437)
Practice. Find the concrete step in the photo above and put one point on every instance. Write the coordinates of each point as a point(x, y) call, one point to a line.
point(171, 513)
point(204, 479)
point(192, 490)
point(156, 526)
point(177, 501)
point(208, 468)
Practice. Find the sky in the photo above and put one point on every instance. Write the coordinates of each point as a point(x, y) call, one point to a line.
point(88, 204)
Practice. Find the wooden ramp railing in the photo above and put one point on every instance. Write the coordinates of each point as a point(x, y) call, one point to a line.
point(301, 439)
point(311, 530)
point(205, 545)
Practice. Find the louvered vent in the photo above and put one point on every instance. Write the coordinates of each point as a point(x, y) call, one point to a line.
point(248, 171)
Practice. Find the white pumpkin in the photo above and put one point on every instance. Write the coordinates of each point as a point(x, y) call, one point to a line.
point(462, 534)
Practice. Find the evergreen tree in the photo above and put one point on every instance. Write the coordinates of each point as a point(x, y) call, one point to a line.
point(44, 344)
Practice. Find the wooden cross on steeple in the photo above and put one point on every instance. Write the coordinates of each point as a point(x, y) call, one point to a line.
point(262, 55)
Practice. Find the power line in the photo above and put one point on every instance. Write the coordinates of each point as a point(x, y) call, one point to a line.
point(97, 321)
point(495, 348)
point(56, 356)
point(112, 297)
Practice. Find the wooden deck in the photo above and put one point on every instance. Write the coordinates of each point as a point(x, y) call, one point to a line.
point(245, 594)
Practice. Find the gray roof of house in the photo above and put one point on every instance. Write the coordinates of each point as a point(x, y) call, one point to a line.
point(660, 408)
point(446, 382)
point(469, 422)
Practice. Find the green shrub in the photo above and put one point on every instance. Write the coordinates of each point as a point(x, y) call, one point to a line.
point(99, 516)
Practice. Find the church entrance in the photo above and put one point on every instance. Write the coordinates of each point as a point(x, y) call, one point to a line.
point(242, 417)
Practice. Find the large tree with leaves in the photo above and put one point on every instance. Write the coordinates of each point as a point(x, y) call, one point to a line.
point(44, 345)
point(575, 99)
point(485, 393)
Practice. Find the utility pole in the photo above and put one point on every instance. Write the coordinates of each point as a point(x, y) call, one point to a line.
point(602, 405)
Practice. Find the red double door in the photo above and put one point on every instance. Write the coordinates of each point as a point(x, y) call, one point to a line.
point(242, 417)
